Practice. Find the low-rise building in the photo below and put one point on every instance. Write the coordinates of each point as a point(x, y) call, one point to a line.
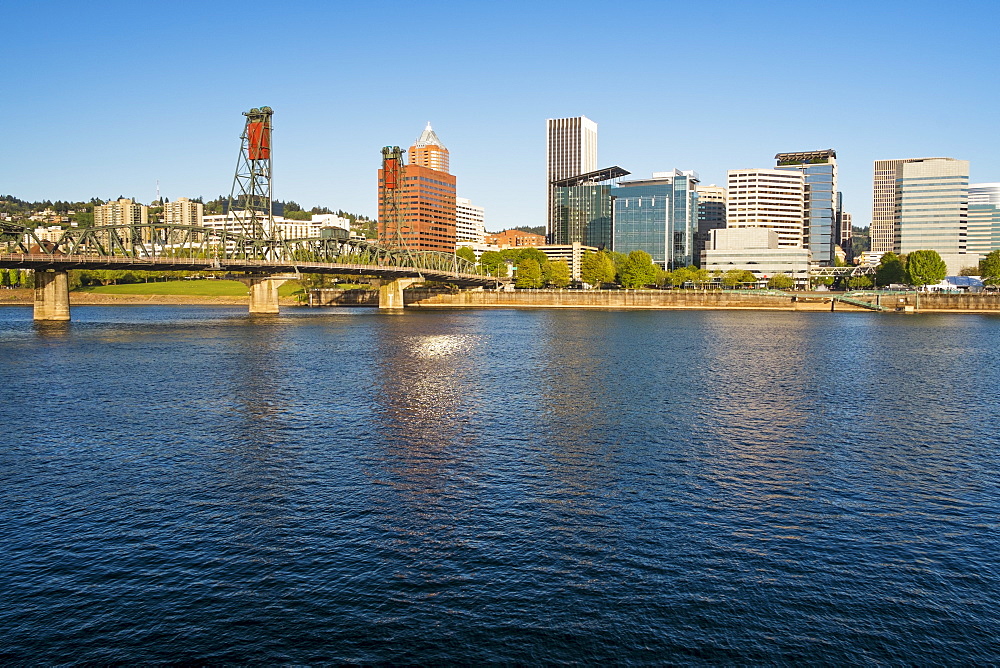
point(755, 249)
point(514, 239)
point(572, 254)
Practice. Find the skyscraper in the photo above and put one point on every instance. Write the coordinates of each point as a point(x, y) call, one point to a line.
point(427, 194)
point(933, 206)
point(920, 204)
point(428, 151)
point(657, 215)
point(571, 149)
point(772, 198)
point(820, 229)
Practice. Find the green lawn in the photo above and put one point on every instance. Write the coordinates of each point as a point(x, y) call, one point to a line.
point(202, 287)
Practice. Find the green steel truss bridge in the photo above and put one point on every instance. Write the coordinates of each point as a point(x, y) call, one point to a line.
point(189, 248)
point(262, 263)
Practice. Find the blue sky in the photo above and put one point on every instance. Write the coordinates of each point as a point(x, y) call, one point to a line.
point(104, 99)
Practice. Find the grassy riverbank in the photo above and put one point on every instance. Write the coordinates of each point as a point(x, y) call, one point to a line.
point(159, 292)
point(199, 288)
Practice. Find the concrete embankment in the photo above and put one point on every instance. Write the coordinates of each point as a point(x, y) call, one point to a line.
point(611, 299)
point(661, 299)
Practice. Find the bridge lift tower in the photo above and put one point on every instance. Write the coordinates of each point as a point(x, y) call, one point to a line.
point(392, 221)
point(250, 203)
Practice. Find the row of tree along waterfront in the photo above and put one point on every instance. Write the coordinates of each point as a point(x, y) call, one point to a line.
point(925, 267)
point(636, 270)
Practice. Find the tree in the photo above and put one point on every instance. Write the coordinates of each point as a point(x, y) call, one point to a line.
point(4, 278)
point(559, 274)
point(781, 282)
point(969, 271)
point(638, 270)
point(989, 268)
point(734, 277)
point(618, 260)
point(860, 282)
point(466, 253)
point(699, 276)
point(533, 254)
point(494, 264)
point(678, 277)
point(596, 268)
point(890, 270)
point(529, 274)
point(925, 267)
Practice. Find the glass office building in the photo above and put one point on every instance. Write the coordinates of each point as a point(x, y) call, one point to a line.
point(659, 216)
point(583, 208)
point(984, 217)
point(820, 226)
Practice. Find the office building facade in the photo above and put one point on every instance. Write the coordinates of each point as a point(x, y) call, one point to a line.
point(657, 215)
point(984, 218)
point(770, 198)
point(711, 216)
point(428, 151)
point(470, 222)
point(571, 150)
point(927, 204)
point(583, 208)
point(757, 250)
point(932, 205)
point(820, 229)
point(427, 197)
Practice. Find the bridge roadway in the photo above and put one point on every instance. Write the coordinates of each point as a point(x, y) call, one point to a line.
point(262, 276)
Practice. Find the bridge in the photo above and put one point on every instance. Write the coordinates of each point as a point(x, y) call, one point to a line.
point(264, 262)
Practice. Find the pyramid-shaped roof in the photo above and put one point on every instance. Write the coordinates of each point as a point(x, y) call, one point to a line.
point(428, 138)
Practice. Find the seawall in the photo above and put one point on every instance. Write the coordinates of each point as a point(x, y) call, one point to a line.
point(431, 298)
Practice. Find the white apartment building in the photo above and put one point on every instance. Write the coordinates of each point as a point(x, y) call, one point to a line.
point(769, 198)
point(183, 211)
point(470, 223)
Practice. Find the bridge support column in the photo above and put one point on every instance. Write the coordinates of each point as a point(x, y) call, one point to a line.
point(390, 293)
point(264, 295)
point(51, 296)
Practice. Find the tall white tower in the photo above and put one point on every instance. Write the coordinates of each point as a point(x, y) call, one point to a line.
point(571, 147)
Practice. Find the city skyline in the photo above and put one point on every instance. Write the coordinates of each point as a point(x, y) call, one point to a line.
point(334, 109)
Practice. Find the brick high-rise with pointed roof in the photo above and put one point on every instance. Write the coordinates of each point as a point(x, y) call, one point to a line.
point(428, 199)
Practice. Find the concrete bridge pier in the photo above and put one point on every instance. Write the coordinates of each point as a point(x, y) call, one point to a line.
point(264, 295)
point(51, 295)
point(390, 293)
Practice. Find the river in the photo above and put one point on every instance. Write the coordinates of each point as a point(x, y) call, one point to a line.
point(190, 484)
